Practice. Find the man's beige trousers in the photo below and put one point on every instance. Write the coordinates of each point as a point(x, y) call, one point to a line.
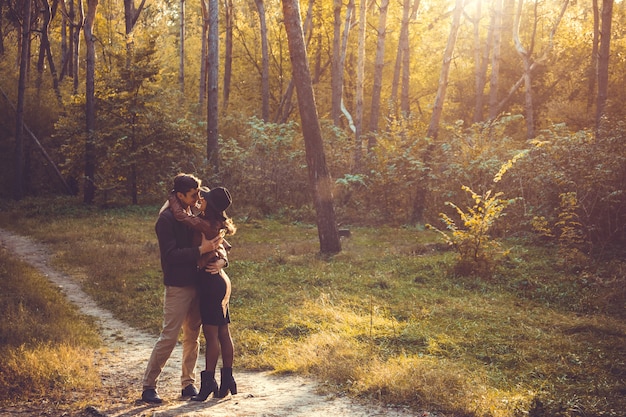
point(180, 310)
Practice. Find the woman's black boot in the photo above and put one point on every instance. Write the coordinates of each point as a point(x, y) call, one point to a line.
point(227, 382)
point(208, 386)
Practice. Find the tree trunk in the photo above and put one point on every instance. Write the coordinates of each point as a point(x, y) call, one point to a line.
point(336, 75)
point(319, 177)
point(76, 28)
point(90, 106)
point(525, 55)
point(1, 32)
point(40, 146)
point(495, 60)
point(342, 59)
point(64, 48)
point(228, 52)
point(406, 65)
point(433, 128)
point(534, 64)
point(360, 76)
point(401, 67)
point(603, 63)
point(18, 192)
point(481, 60)
point(181, 57)
point(212, 91)
point(203, 54)
point(378, 72)
point(131, 14)
point(285, 107)
point(340, 46)
point(593, 65)
point(265, 63)
point(45, 40)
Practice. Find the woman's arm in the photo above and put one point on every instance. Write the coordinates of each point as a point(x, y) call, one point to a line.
point(195, 222)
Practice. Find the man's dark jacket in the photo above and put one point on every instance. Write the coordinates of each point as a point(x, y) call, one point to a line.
point(178, 254)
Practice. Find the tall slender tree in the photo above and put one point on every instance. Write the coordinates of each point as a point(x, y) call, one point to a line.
point(90, 105)
point(481, 60)
point(433, 127)
point(494, 79)
point(525, 54)
point(360, 76)
point(181, 48)
point(212, 144)
point(21, 100)
point(47, 51)
point(229, 22)
point(265, 62)
point(593, 65)
point(402, 65)
point(319, 177)
point(1, 29)
point(604, 51)
point(204, 8)
point(379, 66)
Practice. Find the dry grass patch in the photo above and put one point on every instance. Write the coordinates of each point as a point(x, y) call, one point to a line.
point(46, 347)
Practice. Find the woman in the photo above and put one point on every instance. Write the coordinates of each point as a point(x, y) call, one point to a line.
point(213, 290)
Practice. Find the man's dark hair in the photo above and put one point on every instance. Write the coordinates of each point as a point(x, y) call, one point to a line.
point(185, 182)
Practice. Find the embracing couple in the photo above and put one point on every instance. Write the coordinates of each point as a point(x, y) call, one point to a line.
point(190, 230)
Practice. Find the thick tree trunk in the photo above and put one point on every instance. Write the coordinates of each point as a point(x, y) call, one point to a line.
point(319, 177)
point(90, 105)
point(378, 72)
point(265, 63)
point(212, 91)
point(285, 107)
point(18, 182)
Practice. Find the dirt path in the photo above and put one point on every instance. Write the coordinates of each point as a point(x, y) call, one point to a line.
point(123, 359)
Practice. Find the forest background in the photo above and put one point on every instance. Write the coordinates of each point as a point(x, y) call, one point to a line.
point(489, 120)
point(413, 100)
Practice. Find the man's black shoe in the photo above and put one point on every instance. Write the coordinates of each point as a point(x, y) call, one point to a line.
point(189, 391)
point(150, 396)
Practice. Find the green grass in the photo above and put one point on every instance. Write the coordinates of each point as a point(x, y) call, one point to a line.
point(386, 319)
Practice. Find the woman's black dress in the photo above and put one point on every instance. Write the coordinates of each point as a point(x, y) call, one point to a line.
point(212, 293)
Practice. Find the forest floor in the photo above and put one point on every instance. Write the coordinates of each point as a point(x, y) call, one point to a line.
point(124, 355)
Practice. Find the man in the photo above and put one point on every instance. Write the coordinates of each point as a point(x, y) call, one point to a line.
point(180, 306)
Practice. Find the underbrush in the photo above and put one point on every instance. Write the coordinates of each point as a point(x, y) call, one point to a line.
point(387, 318)
point(46, 347)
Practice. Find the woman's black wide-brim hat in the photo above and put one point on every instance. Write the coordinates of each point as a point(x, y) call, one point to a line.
point(219, 200)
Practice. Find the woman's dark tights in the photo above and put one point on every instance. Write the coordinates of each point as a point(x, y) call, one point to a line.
point(218, 340)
